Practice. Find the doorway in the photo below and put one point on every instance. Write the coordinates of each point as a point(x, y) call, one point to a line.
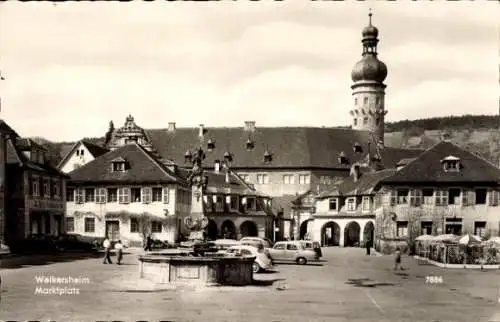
point(113, 229)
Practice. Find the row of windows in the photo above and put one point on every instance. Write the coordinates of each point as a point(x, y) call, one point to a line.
point(351, 204)
point(45, 187)
point(365, 121)
point(216, 203)
point(365, 100)
point(445, 197)
point(89, 225)
point(263, 178)
point(122, 195)
point(450, 228)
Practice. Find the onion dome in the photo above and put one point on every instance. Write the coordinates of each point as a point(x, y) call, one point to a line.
point(369, 68)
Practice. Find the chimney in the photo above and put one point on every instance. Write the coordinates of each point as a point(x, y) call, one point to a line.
point(171, 126)
point(355, 172)
point(217, 166)
point(250, 126)
point(201, 131)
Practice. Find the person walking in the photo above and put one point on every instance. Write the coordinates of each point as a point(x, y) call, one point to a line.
point(119, 250)
point(107, 246)
point(148, 244)
point(397, 259)
point(368, 245)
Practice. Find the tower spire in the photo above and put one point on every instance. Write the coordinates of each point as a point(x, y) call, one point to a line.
point(370, 14)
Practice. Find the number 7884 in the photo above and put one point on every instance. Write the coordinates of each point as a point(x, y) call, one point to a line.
point(434, 280)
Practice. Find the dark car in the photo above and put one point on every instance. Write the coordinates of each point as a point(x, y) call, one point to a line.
point(76, 242)
point(37, 243)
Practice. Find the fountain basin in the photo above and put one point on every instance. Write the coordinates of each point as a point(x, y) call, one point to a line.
point(218, 269)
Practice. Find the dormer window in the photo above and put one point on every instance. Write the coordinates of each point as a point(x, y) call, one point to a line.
point(451, 164)
point(249, 145)
point(357, 148)
point(210, 145)
point(343, 158)
point(119, 165)
point(268, 157)
point(188, 157)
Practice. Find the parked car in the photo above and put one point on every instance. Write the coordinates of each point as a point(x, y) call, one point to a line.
point(261, 263)
point(266, 242)
point(37, 243)
point(190, 243)
point(314, 245)
point(293, 251)
point(224, 244)
point(203, 248)
point(76, 242)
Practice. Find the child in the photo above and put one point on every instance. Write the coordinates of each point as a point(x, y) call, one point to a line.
point(119, 249)
point(397, 259)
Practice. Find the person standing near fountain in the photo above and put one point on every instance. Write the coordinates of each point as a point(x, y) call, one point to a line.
point(119, 250)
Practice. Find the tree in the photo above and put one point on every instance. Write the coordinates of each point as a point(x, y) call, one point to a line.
point(109, 133)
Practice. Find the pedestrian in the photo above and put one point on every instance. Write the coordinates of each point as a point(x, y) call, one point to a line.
point(107, 246)
point(119, 250)
point(148, 244)
point(397, 259)
point(368, 245)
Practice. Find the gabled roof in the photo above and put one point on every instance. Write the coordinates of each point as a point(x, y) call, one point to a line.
point(390, 157)
point(93, 149)
point(363, 186)
point(6, 129)
point(25, 144)
point(294, 147)
point(143, 167)
point(428, 168)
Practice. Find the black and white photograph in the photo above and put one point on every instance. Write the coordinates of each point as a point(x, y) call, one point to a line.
point(250, 161)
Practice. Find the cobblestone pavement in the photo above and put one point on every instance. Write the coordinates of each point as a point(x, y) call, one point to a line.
point(348, 287)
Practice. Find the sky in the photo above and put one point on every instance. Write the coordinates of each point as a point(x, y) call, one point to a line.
point(70, 68)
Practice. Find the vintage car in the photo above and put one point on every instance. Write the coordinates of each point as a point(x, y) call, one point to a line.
point(261, 263)
point(314, 245)
point(293, 251)
point(76, 242)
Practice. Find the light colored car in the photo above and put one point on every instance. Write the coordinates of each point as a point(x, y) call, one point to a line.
point(262, 261)
point(266, 243)
point(224, 244)
point(293, 251)
point(314, 245)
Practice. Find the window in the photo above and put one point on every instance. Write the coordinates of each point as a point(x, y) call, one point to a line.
point(351, 204)
point(441, 197)
point(79, 195)
point(219, 204)
point(291, 247)
point(112, 194)
point(262, 179)
point(356, 101)
point(333, 204)
point(426, 228)
point(124, 195)
point(402, 228)
point(355, 121)
point(118, 166)
point(279, 246)
point(481, 196)
point(480, 228)
point(46, 188)
point(377, 100)
point(89, 195)
point(454, 196)
point(70, 224)
point(135, 194)
point(494, 197)
point(55, 188)
point(166, 195)
point(82, 152)
point(157, 194)
point(146, 195)
point(134, 225)
point(288, 179)
point(101, 195)
point(156, 227)
point(366, 204)
point(428, 195)
point(365, 120)
point(394, 197)
point(251, 203)
point(415, 197)
point(89, 225)
point(70, 194)
point(234, 202)
point(365, 100)
point(245, 177)
point(468, 197)
point(304, 179)
point(403, 196)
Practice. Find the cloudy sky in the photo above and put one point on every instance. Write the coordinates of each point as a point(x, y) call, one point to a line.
point(70, 68)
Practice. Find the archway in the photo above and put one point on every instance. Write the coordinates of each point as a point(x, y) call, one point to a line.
point(351, 234)
point(330, 234)
point(228, 230)
point(368, 232)
point(304, 229)
point(248, 229)
point(212, 230)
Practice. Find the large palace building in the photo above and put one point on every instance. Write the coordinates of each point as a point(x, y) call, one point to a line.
point(286, 162)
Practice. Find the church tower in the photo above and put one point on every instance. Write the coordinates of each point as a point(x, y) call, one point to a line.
point(368, 90)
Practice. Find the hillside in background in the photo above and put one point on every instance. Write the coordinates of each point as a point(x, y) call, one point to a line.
point(477, 133)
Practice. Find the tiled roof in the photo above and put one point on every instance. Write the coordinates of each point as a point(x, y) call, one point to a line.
point(142, 168)
point(95, 150)
point(25, 144)
point(290, 146)
point(428, 167)
point(363, 186)
point(391, 156)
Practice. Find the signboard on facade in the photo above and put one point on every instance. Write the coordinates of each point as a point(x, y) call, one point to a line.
point(46, 204)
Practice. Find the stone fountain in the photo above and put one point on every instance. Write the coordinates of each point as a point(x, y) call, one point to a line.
point(208, 270)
